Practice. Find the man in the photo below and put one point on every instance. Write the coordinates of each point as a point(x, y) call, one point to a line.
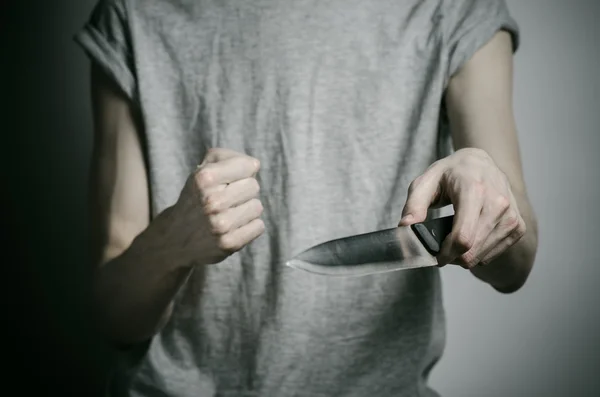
point(230, 136)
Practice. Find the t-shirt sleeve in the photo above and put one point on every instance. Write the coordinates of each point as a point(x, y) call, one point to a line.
point(470, 24)
point(106, 40)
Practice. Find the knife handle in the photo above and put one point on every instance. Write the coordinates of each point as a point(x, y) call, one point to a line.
point(432, 233)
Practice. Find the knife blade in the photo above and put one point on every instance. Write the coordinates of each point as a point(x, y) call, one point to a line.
point(399, 248)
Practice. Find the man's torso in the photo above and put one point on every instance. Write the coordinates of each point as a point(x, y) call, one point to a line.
point(340, 100)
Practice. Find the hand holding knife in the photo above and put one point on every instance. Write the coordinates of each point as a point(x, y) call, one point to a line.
point(487, 222)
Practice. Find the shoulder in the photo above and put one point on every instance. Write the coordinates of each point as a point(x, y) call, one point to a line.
point(468, 25)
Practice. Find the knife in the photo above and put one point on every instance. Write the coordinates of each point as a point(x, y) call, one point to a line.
point(399, 248)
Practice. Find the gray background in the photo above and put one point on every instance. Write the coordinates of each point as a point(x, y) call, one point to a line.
point(541, 341)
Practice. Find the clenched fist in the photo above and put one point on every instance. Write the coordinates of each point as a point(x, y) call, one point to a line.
point(218, 211)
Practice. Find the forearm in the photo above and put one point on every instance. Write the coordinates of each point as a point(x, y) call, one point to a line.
point(133, 293)
point(509, 271)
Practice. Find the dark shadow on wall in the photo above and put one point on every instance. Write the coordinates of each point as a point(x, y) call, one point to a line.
point(46, 141)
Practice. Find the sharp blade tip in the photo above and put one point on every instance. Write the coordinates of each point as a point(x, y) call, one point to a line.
point(292, 263)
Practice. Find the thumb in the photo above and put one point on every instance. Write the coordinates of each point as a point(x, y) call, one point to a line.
point(422, 192)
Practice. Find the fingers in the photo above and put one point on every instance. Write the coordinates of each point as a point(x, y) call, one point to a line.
point(233, 195)
point(236, 217)
point(423, 191)
point(491, 215)
point(506, 234)
point(239, 238)
point(499, 227)
point(461, 240)
point(486, 221)
point(238, 226)
point(221, 200)
point(226, 171)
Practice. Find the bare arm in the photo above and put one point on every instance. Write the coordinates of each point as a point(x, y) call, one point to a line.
point(133, 285)
point(479, 99)
point(141, 263)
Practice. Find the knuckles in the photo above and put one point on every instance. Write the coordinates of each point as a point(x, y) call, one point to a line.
point(520, 230)
point(463, 242)
point(212, 204)
point(469, 260)
point(227, 244)
point(203, 178)
point(463, 245)
point(512, 222)
point(501, 203)
point(219, 225)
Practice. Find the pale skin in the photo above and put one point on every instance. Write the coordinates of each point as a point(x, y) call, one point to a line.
point(141, 262)
point(495, 229)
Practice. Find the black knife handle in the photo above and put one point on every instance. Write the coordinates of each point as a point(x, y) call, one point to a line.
point(432, 233)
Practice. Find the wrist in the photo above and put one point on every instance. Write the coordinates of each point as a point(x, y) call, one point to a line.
point(161, 242)
point(508, 272)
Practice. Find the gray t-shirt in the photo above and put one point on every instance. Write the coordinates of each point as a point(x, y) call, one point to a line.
point(342, 101)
